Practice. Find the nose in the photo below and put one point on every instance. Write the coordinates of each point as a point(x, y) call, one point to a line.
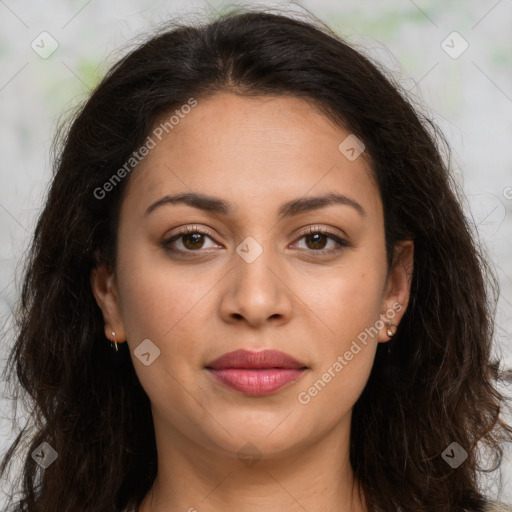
point(257, 291)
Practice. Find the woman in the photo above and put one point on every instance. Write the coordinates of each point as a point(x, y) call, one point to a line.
point(265, 230)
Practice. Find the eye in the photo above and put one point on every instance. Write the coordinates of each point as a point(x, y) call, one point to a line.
point(192, 240)
point(316, 239)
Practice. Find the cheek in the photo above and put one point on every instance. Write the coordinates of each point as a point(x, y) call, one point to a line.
point(159, 303)
point(354, 313)
point(346, 358)
point(157, 297)
point(351, 305)
point(332, 392)
point(350, 296)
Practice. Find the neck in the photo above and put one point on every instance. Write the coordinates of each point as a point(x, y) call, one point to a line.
point(315, 478)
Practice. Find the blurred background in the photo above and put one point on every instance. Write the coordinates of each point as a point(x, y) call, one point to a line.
point(454, 58)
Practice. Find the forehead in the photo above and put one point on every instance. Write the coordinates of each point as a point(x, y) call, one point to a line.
point(263, 148)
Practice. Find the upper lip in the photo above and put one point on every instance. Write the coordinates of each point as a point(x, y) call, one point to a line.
point(260, 359)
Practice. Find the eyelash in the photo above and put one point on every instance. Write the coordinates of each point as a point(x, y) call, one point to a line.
point(309, 232)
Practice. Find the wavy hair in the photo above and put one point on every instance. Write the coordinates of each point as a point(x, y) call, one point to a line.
point(437, 386)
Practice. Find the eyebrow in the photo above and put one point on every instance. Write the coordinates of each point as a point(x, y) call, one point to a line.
point(289, 209)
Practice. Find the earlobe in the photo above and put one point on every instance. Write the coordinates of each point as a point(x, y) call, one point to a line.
point(398, 288)
point(105, 292)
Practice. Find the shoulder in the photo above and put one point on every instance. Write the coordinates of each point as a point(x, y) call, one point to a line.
point(496, 506)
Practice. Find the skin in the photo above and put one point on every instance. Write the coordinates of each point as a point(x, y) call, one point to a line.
point(256, 153)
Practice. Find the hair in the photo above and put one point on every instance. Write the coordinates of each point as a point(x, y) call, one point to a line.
point(436, 387)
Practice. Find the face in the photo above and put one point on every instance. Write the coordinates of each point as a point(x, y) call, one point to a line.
point(258, 265)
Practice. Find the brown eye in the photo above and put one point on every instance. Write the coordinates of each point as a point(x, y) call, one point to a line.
point(191, 239)
point(316, 240)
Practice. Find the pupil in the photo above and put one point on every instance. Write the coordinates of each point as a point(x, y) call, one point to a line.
point(196, 238)
point(315, 237)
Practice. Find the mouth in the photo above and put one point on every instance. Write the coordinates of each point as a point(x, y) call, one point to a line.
point(256, 373)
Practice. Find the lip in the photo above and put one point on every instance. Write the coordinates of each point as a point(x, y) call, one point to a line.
point(256, 373)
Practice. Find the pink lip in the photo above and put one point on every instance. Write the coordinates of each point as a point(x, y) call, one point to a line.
point(256, 373)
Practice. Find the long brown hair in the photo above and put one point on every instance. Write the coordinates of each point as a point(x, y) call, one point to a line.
point(438, 385)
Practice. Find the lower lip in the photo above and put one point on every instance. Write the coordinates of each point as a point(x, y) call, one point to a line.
point(256, 382)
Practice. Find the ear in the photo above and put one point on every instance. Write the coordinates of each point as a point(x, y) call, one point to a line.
point(397, 289)
point(104, 289)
